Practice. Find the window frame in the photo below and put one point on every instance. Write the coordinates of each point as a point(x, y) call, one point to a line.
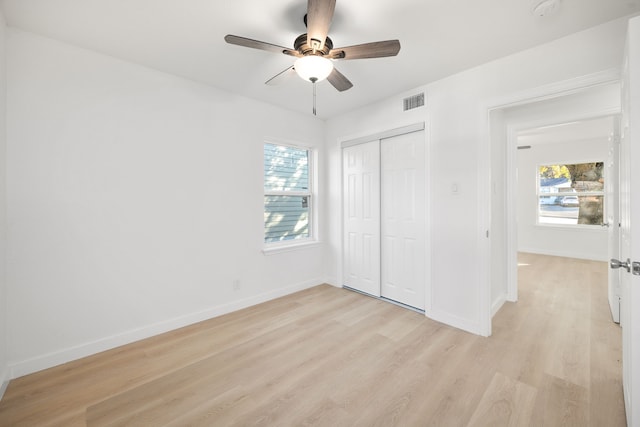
point(539, 194)
point(311, 239)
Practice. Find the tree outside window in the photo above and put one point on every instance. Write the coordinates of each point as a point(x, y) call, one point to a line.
point(571, 194)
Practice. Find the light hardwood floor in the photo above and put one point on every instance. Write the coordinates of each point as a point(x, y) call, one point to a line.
point(327, 356)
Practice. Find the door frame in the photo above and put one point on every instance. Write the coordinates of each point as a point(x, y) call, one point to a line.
point(613, 218)
point(512, 194)
point(378, 136)
point(508, 153)
point(630, 236)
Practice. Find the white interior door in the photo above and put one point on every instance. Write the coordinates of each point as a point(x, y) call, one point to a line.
point(630, 223)
point(361, 217)
point(612, 219)
point(403, 219)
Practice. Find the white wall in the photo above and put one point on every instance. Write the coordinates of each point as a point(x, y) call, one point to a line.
point(4, 372)
point(456, 116)
point(134, 197)
point(134, 202)
point(588, 243)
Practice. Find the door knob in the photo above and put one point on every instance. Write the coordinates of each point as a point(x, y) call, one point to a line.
point(615, 263)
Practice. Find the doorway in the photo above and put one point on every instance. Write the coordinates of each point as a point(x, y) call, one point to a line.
point(526, 120)
point(567, 188)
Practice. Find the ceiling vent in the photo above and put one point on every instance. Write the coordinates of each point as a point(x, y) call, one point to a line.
point(412, 102)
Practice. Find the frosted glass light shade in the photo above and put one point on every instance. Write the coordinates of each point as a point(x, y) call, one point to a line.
point(313, 67)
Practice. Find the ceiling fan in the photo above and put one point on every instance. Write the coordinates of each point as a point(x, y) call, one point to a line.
point(315, 50)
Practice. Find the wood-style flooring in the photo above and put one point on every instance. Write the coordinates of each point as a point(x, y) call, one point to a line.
point(331, 357)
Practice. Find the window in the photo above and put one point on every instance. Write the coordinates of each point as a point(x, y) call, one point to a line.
point(571, 194)
point(287, 193)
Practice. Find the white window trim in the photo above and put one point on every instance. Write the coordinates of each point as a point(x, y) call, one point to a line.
point(576, 227)
point(279, 247)
point(271, 248)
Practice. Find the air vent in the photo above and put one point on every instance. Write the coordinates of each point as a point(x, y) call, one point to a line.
point(414, 101)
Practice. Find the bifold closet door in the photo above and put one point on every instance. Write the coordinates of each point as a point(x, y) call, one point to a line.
point(403, 219)
point(361, 217)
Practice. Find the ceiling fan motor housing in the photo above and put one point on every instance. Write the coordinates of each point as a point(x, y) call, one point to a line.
point(304, 48)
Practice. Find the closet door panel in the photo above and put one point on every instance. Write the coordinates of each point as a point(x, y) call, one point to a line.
point(403, 219)
point(361, 217)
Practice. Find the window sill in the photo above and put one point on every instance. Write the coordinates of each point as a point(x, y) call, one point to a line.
point(574, 227)
point(278, 249)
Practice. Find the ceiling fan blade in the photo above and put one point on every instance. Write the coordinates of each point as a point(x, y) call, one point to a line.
point(339, 81)
point(319, 16)
point(256, 44)
point(281, 76)
point(367, 50)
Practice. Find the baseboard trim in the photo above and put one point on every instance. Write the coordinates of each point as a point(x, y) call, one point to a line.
point(332, 281)
point(497, 304)
point(456, 322)
point(438, 316)
point(4, 382)
point(39, 363)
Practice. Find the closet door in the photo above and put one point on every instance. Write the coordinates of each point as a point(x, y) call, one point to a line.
point(403, 219)
point(361, 204)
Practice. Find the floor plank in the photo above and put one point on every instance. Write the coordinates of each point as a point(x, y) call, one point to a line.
point(331, 357)
point(506, 402)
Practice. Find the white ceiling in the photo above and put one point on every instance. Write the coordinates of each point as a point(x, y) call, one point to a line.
point(185, 38)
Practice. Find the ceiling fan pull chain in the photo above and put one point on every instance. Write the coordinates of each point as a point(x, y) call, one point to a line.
point(313, 81)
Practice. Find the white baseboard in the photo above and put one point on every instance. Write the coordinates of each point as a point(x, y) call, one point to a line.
point(4, 381)
point(25, 367)
point(456, 322)
point(332, 281)
point(497, 304)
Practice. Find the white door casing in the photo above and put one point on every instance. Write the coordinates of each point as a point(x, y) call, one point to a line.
point(361, 217)
point(403, 219)
point(630, 222)
point(612, 219)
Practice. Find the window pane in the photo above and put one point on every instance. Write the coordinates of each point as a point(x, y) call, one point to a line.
point(286, 218)
point(559, 193)
point(571, 209)
point(285, 168)
point(577, 178)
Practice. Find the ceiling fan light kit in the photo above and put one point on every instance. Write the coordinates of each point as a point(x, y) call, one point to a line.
point(313, 68)
point(315, 51)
